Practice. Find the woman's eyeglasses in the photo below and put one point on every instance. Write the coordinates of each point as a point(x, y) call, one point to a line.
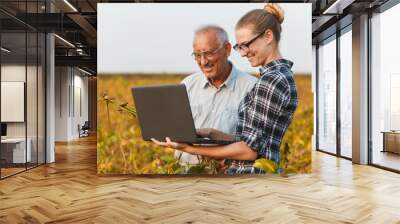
point(245, 46)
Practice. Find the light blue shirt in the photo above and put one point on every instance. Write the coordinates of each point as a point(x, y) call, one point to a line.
point(216, 107)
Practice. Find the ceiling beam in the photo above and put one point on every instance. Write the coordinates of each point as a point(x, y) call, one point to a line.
point(84, 24)
point(83, 61)
point(337, 6)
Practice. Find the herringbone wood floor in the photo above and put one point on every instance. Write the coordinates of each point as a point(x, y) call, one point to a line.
point(70, 191)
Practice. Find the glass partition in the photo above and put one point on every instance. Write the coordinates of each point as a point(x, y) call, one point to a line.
point(41, 87)
point(14, 154)
point(32, 96)
point(22, 77)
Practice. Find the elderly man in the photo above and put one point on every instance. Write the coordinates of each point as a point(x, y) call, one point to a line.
point(216, 91)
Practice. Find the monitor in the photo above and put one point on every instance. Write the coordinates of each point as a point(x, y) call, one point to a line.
point(3, 129)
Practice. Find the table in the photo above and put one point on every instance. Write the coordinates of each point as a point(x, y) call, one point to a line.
point(13, 150)
point(391, 141)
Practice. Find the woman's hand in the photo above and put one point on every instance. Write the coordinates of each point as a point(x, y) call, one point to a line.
point(175, 145)
point(236, 151)
point(214, 134)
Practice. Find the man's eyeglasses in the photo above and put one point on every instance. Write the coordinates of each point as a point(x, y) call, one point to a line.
point(245, 46)
point(207, 54)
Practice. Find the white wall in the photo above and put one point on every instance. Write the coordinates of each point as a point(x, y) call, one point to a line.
point(71, 93)
point(16, 73)
point(81, 82)
point(61, 103)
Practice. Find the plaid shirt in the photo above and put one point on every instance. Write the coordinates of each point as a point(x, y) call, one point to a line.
point(265, 114)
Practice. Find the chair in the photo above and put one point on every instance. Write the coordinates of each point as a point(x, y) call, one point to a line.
point(84, 130)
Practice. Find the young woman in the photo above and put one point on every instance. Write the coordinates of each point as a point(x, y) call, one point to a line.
point(267, 110)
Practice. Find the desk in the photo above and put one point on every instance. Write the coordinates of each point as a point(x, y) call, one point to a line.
point(391, 141)
point(13, 150)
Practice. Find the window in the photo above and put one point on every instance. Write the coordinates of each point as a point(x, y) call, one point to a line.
point(346, 94)
point(385, 89)
point(327, 97)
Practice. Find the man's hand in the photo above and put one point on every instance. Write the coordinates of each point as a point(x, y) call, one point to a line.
point(204, 132)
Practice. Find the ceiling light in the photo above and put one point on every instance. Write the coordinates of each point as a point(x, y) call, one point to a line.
point(70, 5)
point(5, 50)
point(64, 40)
point(84, 71)
point(337, 7)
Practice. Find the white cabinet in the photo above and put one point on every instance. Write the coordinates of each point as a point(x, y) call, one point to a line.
point(17, 146)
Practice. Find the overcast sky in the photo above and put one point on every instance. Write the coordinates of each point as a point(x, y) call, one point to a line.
point(157, 38)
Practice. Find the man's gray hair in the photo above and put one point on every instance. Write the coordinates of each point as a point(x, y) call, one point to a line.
point(221, 33)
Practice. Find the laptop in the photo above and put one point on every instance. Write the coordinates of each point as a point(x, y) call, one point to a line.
point(164, 111)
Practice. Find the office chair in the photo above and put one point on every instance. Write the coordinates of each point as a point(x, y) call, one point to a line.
point(84, 130)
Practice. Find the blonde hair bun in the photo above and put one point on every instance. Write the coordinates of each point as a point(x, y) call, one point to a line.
point(275, 10)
